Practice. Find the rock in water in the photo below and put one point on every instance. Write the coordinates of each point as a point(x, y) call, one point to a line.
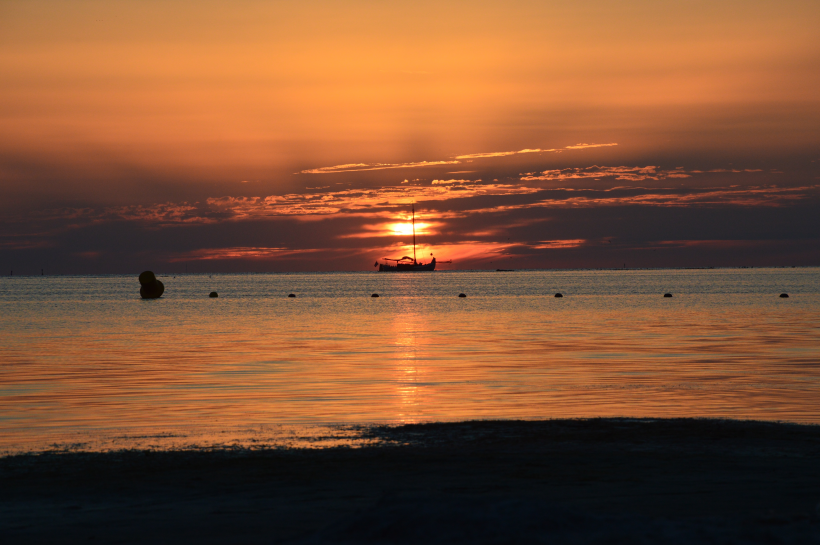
point(213, 294)
point(150, 287)
point(558, 295)
point(667, 295)
point(784, 295)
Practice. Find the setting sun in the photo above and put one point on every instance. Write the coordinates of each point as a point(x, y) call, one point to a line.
point(401, 229)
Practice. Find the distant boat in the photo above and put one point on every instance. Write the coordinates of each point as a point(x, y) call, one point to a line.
point(407, 263)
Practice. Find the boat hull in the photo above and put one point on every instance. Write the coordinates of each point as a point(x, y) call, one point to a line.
point(408, 267)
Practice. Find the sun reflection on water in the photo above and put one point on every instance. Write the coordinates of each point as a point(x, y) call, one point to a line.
point(83, 356)
point(405, 325)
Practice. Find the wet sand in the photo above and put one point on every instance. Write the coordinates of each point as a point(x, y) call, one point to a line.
point(558, 481)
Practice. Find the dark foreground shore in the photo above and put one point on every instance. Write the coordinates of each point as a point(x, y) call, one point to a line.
point(559, 481)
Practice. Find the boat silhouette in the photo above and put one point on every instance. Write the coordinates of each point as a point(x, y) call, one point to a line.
point(407, 263)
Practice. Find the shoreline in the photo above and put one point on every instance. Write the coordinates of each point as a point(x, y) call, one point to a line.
point(591, 480)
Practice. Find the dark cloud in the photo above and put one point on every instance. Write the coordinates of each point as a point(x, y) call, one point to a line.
point(474, 222)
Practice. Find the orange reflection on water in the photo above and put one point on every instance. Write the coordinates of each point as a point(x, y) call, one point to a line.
point(76, 362)
point(408, 373)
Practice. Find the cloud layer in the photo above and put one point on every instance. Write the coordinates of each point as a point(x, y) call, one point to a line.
point(361, 167)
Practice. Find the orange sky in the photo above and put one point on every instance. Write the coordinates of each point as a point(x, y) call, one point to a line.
point(142, 103)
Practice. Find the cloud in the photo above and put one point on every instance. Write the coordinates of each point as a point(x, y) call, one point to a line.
point(396, 229)
point(363, 202)
point(501, 153)
point(385, 204)
point(353, 200)
point(585, 146)
point(467, 250)
point(239, 252)
point(25, 244)
point(359, 167)
point(632, 174)
point(721, 243)
point(89, 254)
point(743, 197)
point(451, 182)
point(558, 244)
point(537, 150)
point(466, 209)
point(732, 170)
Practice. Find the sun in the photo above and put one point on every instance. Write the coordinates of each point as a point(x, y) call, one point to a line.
point(402, 229)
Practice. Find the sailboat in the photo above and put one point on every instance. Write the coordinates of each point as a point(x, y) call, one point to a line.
point(408, 263)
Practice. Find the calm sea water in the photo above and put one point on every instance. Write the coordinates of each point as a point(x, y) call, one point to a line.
point(86, 355)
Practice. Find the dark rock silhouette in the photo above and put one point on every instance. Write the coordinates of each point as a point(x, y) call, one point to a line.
point(375, 295)
point(213, 294)
point(150, 287)
point(784, 295)
point(291, 295)
point(667, 295)
point(558, 295)
point(462, 295)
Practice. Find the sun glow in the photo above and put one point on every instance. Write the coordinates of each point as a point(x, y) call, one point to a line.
point(402, 229)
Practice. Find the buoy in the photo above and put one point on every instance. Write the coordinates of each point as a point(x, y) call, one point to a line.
point(667, 295)
point(375, 295)
point(150, 287)
point(146, 277)
point(462, 295)
point(784, 295)
point(213, 294)
point(291, 295)
point(558, 295)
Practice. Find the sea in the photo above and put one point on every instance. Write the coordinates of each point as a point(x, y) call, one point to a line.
point(85, 363)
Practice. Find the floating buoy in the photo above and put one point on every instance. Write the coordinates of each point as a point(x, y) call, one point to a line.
point(784, 295)
point(150, 287)
point(558, 295)
point(375, 295)
point(667, 295)
point(146, 277)
point(291, 295)
point(213, 294)
point(462, 295)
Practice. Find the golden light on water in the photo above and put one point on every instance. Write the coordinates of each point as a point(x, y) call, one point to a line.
point(612, 346)
point(407, 326)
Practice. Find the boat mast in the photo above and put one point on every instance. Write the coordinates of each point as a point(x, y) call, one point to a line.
point(414, 233)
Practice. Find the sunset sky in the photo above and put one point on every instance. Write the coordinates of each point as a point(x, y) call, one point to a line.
point(294, 136)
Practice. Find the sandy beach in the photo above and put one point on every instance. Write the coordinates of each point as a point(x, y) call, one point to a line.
point(565, 481)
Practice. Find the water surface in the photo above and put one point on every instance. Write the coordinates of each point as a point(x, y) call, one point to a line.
point(86, 355)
